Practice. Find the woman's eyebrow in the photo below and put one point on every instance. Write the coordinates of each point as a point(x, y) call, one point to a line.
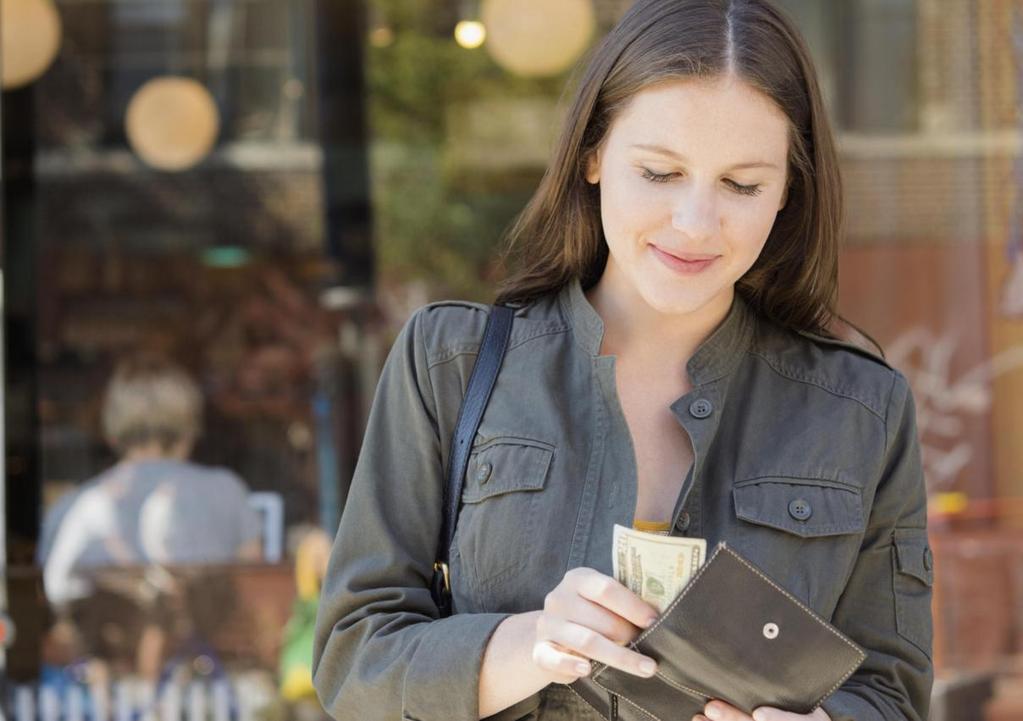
point(673, 154)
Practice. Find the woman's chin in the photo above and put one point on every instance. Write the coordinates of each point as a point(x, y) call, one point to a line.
point(675, 303)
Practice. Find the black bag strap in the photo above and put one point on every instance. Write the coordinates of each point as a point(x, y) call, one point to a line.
point(477, 394)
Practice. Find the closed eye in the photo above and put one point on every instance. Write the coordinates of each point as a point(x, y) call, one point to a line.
point(654, 177)
point(741, 189)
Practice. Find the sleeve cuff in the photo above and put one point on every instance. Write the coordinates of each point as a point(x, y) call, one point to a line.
point(847, 706)
point(442, 681)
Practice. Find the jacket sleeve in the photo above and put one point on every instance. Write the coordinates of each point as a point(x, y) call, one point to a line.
point(380, 650)
point(886, 605)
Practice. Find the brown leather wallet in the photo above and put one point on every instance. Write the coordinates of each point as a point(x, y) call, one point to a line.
point(731, 634)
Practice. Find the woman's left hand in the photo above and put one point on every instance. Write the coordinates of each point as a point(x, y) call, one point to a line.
point(718, 710)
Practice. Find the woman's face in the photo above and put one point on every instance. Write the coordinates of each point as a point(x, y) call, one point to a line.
point(696, 170)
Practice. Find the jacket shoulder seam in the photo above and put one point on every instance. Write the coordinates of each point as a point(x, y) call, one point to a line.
point(551, 328)
point(446, 350)
point(794, 375)
point(470, 304)
point(847, 346)
point(887, 413)
point(471, 347)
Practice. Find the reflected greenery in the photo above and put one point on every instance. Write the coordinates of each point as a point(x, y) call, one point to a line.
point(439, 210)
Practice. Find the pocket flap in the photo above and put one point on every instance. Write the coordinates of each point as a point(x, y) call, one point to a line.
point(801, 506)
point(913, 554)
point(505, 464)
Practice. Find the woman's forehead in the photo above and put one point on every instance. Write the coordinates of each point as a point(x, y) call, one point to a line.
point(691, 116)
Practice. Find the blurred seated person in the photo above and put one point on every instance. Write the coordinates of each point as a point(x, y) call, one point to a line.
point(154, 506)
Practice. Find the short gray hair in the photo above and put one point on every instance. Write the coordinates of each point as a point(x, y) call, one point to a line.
point(151, 398)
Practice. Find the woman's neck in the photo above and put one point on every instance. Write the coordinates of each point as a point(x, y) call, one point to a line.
point(645, 336)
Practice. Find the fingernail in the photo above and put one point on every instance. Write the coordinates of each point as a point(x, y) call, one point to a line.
point(648, 667)
point(712, 712)
point(649, 622)
point(759, 715)
point(583, 668)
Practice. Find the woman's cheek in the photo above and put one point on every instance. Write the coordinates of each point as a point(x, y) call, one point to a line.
point(618, 193)
point(751, 245)
point(623, 208)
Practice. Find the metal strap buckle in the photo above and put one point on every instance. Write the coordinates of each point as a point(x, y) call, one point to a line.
point(443, 568)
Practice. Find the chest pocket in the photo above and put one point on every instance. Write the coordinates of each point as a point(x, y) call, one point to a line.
point(505, 465)
point(803, 532)
point(800, 506)
point(499, 513)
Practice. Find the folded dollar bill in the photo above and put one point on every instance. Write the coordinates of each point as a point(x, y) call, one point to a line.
point(655, 567)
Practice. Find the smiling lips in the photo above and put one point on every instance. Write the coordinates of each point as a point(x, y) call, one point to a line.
point(688, 263)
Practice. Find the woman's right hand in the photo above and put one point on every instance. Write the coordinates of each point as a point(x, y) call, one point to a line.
point(591, 616)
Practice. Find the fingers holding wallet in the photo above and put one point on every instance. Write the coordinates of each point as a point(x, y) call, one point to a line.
point(591, 616)
point(718, 710)
point(734, 633)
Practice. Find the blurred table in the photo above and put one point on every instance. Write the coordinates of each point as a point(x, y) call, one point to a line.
point(241, 609)
point(978, 624)
point(978, 599)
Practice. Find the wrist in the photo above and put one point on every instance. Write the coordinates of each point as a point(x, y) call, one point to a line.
point(528, 632)
point(517, 638)
point(508, 673)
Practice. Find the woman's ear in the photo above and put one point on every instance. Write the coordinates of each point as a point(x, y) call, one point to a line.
point(593, 167)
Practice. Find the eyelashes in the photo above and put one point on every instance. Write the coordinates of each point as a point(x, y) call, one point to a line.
point(750, 190)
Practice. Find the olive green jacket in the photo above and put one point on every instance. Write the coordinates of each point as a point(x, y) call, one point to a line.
point(807, 462)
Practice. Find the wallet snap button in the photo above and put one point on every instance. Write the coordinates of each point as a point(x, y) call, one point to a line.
point(770, 630)
point(800, 509)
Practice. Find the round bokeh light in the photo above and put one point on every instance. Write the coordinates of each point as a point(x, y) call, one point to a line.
point(30, 35)
point(172, 123)
point(537, 37)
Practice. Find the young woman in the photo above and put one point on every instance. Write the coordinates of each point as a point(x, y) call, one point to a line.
point(673, 366)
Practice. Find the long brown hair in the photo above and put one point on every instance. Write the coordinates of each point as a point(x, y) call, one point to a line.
point(559, 237)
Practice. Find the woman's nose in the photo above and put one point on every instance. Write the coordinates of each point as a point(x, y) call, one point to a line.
point(695, 213)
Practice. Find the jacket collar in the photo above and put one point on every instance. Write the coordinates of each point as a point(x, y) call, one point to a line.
point(716, 356)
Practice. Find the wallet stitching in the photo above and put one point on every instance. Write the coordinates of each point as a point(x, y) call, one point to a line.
point(585, 701)
point(668, 610)
point(682, 687)
point(812, 615)
point(723, 547)
point(799, 603)
point(632, 703)
point(627, 700)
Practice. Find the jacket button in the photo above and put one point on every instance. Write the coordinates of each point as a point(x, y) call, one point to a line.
point(483, 473)
point(701, 408)
point(800, 509)
point(682, 524)
point(928, 559)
